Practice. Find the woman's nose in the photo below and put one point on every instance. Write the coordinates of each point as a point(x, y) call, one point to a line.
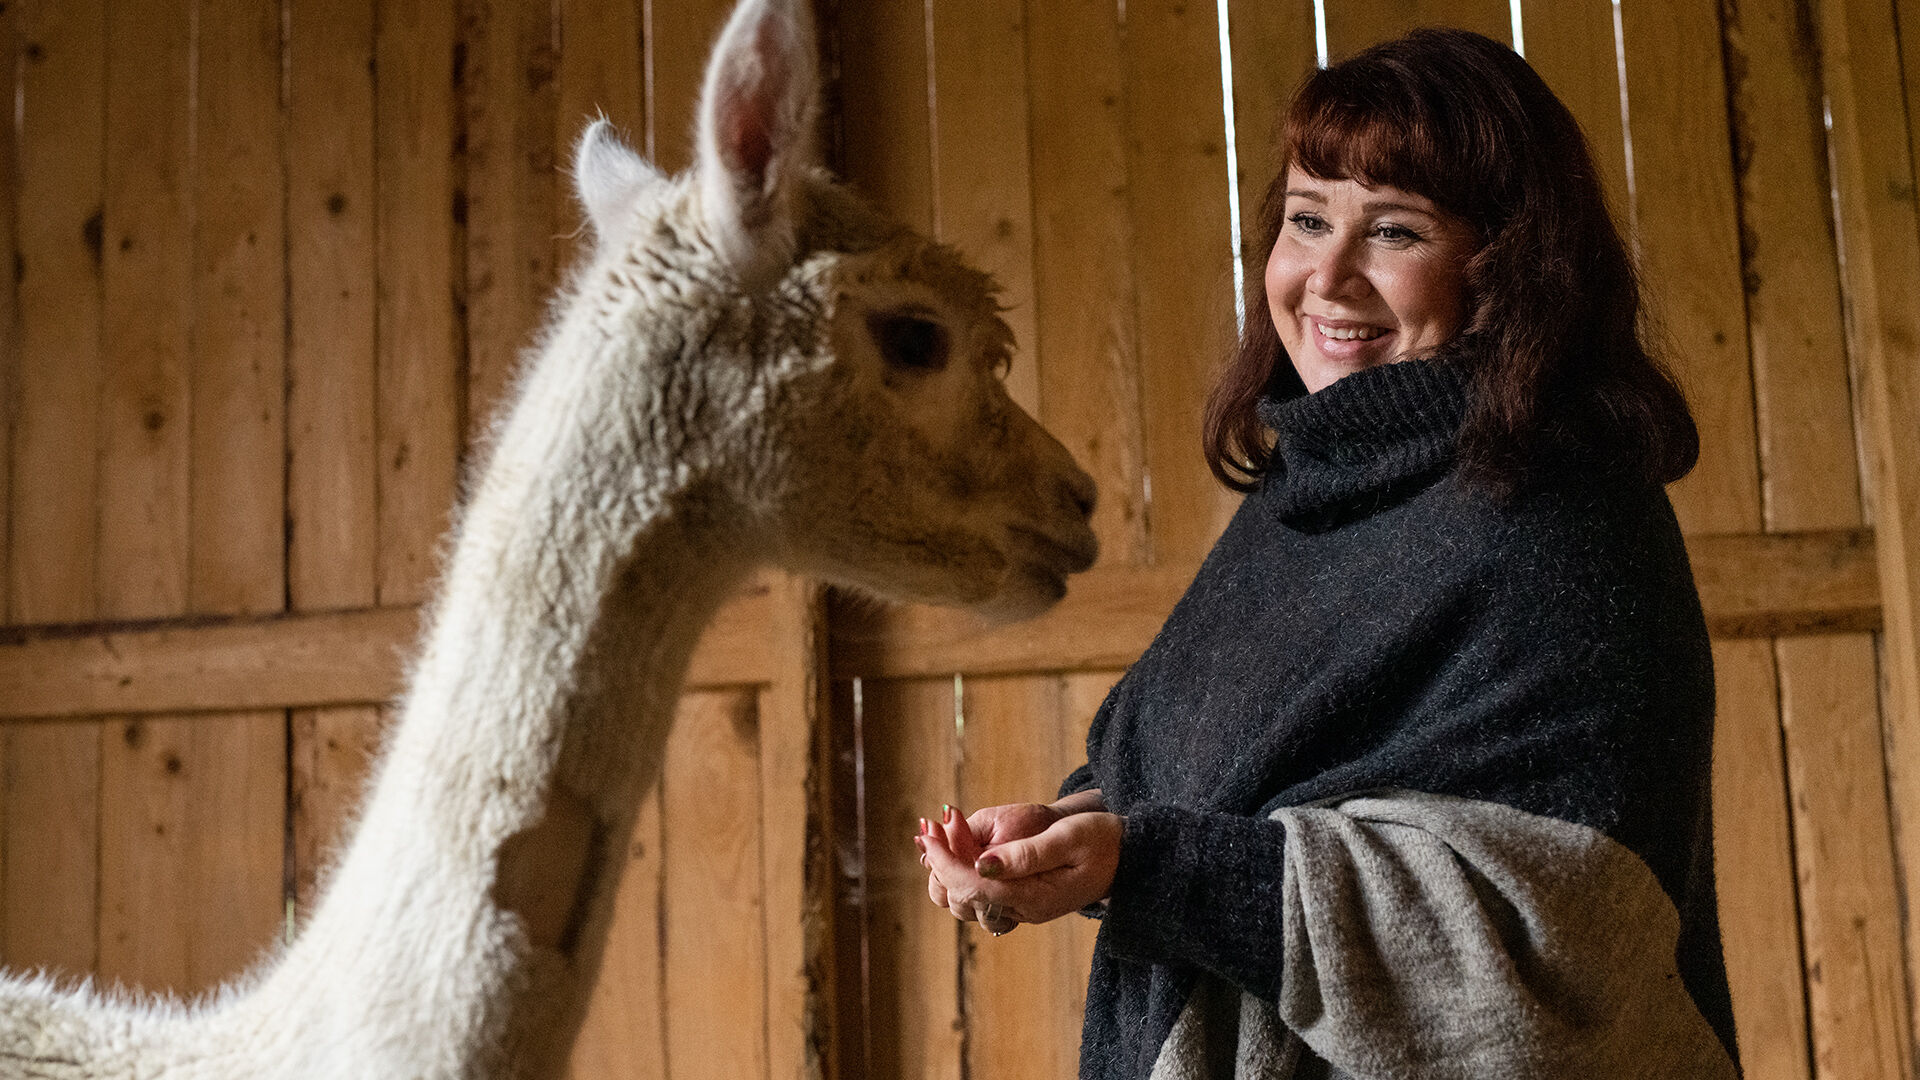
point(1336, 273)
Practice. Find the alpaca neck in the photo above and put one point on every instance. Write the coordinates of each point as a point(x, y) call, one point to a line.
point(465, 921)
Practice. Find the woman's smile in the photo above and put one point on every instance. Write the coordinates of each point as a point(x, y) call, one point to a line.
point(1347, 341)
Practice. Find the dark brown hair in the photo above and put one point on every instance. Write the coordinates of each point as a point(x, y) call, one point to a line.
point(1553, 347)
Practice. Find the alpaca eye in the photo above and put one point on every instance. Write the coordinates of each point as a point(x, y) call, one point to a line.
point(909, 341)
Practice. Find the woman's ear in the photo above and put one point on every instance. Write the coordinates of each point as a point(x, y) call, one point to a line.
point(609, 178)
point(755, 142)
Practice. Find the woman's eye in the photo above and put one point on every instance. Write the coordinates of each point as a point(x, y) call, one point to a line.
point(1307, 223)
point(910, 341)
point(1398, 234)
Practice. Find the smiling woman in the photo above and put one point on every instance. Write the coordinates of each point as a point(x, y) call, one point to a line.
point(1414, 779)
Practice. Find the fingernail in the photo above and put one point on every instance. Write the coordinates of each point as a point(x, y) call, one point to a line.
point(924, 827)
point(921, 843)
point(989, 866)
point(946, 814)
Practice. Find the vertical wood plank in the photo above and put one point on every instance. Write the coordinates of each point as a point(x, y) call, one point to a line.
point(332, 757)
point(236, 490)
point(795, 797)
point(1856, 980)
point(983, 190)
point(886, 120)
point(714, 923)
point(1176, 143)
point(5, 897)
point(1353, 25)
point(332, 493)
point(1025, 992)
point(147, 853)
point(13, 54)
point(624, 1034)
point(682, 33)
point(1690, 247)
point(56, 387)
point(601, 74)
point(1794, 313)
point(420, 344)
point(49, 798)
point(1880, 240)
point(49, 809)
point(1571, 44)
point(852, 1035)
point(1084, 291)
point(1753, 854)
point(915, 1027)
point(145, 407)
point(1273, 49)
point(192, 824)
point(1009, 1005)
point(509, 103)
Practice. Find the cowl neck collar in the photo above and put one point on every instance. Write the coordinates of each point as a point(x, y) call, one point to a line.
point(1362, 442)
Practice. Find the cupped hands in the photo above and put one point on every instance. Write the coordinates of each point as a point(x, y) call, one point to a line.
point(1021, 862)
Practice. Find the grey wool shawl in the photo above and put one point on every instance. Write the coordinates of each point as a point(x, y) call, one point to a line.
point(1415, 779)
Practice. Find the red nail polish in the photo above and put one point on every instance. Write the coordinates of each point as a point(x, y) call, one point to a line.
point(989, 866)
point(946, 814)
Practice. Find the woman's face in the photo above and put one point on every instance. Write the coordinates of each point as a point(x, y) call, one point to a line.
point(1364, 276)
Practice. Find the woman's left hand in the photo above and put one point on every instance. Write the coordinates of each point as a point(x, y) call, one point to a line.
point(1055, 872)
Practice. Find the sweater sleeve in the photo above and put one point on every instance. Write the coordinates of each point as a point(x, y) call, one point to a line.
point(1201, 890)
point(1080, 779)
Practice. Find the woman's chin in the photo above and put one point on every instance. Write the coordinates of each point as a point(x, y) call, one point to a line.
point(1321, 371)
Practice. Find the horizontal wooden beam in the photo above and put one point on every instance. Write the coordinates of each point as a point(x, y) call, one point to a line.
point(1750, 585)
point(1778, 585)
point(291, 661)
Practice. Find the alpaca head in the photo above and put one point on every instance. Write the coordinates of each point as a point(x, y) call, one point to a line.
point(855, 365)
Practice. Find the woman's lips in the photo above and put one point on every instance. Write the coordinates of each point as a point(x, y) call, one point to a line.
point(1357, 340)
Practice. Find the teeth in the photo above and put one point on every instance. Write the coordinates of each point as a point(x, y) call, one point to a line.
point(1352, 334)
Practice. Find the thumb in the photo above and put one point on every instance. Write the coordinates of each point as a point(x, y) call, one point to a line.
point(1015, 859)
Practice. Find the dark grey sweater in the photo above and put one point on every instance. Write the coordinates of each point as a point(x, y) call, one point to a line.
point(1369, 622)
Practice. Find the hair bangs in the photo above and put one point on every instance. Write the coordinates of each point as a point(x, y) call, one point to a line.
point(1349, 129)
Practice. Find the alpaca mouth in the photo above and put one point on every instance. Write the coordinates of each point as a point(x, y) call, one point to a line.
point(1034, 550)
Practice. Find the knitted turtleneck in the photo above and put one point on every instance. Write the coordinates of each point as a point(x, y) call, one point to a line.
point(1369, 622)
point(1383, 430)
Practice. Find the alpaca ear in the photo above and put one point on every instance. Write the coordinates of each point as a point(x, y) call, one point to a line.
point(756, 140)
point(609, 177)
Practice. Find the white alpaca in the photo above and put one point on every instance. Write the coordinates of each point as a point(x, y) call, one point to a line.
point(753, 367)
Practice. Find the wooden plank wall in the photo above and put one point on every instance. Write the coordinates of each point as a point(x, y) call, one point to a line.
point(275, 260)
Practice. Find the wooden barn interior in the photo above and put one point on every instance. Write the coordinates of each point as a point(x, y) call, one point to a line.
point(274, 260)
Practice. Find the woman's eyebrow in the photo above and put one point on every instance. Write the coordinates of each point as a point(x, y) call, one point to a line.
point(1387, 204)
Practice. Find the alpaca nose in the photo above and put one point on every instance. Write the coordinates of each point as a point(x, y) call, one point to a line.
point(1080, 492)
